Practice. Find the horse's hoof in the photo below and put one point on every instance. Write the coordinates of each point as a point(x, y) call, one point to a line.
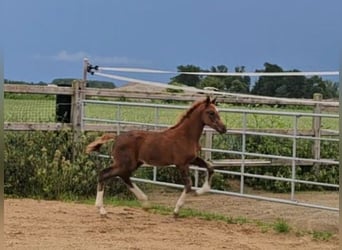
point(146, 205)
point(103, 212)
point(203, 190)
point(175, 215)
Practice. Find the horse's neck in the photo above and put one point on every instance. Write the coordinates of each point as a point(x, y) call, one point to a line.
point(193, 128)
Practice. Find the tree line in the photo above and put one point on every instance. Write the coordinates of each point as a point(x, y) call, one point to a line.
point(67, 82)
point(276, 86)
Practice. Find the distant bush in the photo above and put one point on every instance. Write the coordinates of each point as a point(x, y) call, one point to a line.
point(21, 96)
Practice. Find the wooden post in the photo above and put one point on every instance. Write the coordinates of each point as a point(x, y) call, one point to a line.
point(316, 126)
point(77, 113)
point(77, 105)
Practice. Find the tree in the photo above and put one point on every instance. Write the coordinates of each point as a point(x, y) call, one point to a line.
point(212, 81)
point(292, 86)
point(236, 84)
point(327, 88)
point(266, 85)
point(189, 80)
point(280, 86)
point(91, 84)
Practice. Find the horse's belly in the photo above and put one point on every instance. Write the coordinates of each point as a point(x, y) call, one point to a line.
point(162, 156)
point(154, 155)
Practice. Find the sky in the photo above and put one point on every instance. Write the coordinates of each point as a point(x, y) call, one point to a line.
point(44, 40)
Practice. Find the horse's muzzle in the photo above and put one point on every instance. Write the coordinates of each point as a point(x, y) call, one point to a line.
point(221, 129)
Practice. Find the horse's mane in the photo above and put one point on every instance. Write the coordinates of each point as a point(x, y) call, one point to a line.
point(188, 113)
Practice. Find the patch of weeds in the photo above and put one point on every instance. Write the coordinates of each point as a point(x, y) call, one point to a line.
point(230, 220)
point(323, 236)
point(202, 215)
point(265, 227)
point(300, 233)
point(281, 226)
point(241, 220)
point(158, 209)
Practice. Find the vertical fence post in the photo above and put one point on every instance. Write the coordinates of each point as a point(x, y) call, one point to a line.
point(316, 127)
point(294, 155)
point(77, 105)
point(156, 123)
point(243, 149)
point(208, 144)
point(208, 140)
point(77, 109)
point(118, 119)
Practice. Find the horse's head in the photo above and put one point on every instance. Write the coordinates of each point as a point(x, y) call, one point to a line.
point(211, 117)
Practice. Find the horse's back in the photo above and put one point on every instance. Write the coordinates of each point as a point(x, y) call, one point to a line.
point(150, 147)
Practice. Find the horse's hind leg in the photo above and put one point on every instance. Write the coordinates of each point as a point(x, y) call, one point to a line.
point(207, 183)
point(141, 196)
point(187, 188)
point(104, 175)
point(99, 198)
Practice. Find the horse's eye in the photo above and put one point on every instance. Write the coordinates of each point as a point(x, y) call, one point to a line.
point(211, 113)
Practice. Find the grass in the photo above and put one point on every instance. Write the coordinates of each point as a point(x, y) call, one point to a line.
point(322, 236)
point(281, 226)
point(23, 110)
point(28, 110)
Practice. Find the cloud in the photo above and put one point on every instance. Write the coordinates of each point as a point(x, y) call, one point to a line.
point(115, 60)
point(65, 56)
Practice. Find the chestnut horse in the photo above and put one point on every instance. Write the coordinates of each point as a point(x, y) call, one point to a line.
point(177, 145)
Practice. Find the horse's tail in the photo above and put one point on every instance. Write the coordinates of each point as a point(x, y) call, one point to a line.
point(96, 145)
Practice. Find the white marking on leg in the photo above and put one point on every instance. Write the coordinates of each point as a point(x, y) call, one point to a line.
point(141, 196)
point(207, 183)
point(99, 199)
point(180, 202)
point(99, 202)
point(204, 189)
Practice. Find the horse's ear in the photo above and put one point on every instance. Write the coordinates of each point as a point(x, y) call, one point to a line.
point(207, 101)
point(213, 101)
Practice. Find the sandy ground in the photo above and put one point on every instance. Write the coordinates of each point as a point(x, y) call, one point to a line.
point(32, 224)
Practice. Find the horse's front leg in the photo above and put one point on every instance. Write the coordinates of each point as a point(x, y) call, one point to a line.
point(184, 170)
point(207, 183)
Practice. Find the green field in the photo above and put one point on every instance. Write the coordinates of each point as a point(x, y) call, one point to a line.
point(23, 110)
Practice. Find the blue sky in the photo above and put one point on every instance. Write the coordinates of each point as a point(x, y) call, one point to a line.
point(43, 40)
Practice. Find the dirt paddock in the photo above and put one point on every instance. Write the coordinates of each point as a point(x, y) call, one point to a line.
point(33, 224)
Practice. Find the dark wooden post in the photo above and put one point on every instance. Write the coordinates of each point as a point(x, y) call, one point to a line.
point(77, 108)
point(77, 113)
